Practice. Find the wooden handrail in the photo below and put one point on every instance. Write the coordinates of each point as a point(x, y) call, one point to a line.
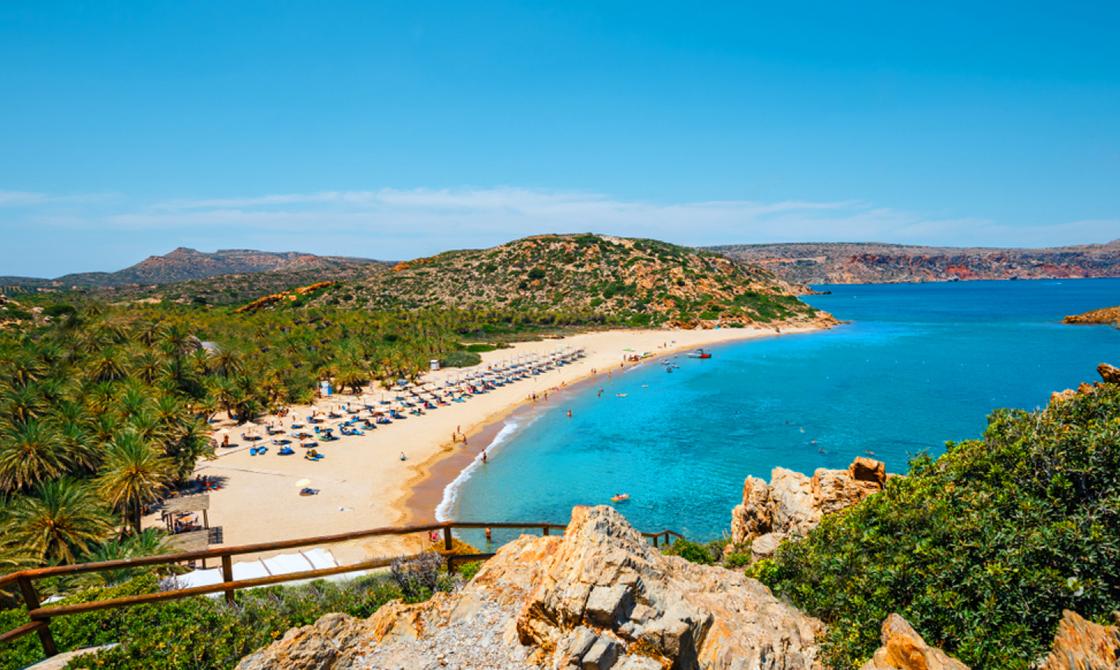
point(41, 616)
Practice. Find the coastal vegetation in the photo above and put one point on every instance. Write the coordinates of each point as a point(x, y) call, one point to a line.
point(104, 408)
point(980, 549)
point(196, 632)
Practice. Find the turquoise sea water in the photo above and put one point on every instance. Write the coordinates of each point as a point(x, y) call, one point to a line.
point(919, 364)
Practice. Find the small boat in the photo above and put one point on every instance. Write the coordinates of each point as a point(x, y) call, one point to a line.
point(699, 353)
point(620, 497)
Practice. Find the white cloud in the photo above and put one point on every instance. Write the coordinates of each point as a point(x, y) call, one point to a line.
point(399, 223)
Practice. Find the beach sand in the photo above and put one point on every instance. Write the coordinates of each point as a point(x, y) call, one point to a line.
point(363, 483)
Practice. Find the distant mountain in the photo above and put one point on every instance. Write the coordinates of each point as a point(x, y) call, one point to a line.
point(184, 264)
point(223, 276)
point(636, 281)
point(871, 263)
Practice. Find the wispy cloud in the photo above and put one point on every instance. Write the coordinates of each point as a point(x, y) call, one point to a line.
point(398, 223)
point(20, 198)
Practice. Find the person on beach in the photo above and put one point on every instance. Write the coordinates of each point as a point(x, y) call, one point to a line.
point(483, 455)
point(488, 535)
point(569, 414)
point(403, 457)
point(600, 394)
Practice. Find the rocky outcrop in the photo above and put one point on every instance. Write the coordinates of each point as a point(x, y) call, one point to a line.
point(599, 597)
point(904, 649)
point(792, 504)
point(1083, 645)
point(1107, 316)
point(1110, 374)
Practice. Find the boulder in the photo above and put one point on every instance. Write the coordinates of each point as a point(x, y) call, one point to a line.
point(865, 469)
point(600, 596)
point(1080, 644)
point(1109, 373)
point(792, 504)
point(904, 649)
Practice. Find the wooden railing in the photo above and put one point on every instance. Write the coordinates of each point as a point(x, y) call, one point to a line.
point(40, 616)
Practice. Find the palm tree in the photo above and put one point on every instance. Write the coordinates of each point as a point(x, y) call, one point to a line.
point(191, 444)
point(133, 474)
point(30, 453)
point(58, 523)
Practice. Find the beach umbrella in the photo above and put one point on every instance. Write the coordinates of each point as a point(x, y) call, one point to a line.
point(303, 483)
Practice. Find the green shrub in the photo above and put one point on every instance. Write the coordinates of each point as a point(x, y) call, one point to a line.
point(468, 570)
point(705, 554)
point(980, 549)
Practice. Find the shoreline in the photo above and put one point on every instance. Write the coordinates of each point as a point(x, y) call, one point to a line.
point(363, 483)
point(426, 491)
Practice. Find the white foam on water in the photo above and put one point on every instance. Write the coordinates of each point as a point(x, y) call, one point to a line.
point(451, 491)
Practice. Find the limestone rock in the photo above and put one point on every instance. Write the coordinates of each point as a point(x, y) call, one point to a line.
point(1109, 373)
point(904, 649)
point(598, 597)
point(793, 504)
point(1083, 645)
point(865, 469)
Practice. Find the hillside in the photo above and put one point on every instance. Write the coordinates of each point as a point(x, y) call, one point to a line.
point(871, 263)
point(184, 264)
point(636, 281)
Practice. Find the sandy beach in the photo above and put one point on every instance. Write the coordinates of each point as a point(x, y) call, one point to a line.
point(362, 482)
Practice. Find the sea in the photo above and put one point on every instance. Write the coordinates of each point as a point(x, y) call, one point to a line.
point(914, 365)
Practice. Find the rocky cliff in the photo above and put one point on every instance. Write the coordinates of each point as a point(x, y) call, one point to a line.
point(870, 263)
point(792, 503)
point(599, 597)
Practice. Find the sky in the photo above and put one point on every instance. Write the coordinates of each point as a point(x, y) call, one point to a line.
point(395, 130)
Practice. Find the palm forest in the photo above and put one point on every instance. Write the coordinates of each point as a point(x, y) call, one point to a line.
point(104, 408)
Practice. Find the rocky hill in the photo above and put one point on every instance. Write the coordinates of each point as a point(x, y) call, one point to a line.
point(184, 264)
point(869, 263)
point(637, 281)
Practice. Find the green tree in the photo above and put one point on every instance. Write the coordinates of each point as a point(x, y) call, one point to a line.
point(57, 523)
point(30, 453)
point(133, 475)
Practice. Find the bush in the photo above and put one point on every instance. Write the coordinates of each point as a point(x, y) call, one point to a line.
point(980, 549)
point(705, 554)
point(469, 570)
point(418, 577)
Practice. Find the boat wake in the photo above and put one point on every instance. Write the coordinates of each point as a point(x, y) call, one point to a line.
point(451, 492)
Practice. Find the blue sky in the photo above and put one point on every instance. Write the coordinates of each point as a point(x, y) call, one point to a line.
point(393, 130)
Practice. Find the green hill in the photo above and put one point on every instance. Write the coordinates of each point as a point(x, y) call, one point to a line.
point(638, 282)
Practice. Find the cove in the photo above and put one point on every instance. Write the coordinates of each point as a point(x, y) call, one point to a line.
point(915, 365)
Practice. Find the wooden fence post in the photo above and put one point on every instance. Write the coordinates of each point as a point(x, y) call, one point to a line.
point(655, 541)
point(544, 530)
point(227, 576)
point(31, 599)
point(447, 538)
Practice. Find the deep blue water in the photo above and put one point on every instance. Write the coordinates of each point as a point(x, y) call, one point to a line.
point(919, 364)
